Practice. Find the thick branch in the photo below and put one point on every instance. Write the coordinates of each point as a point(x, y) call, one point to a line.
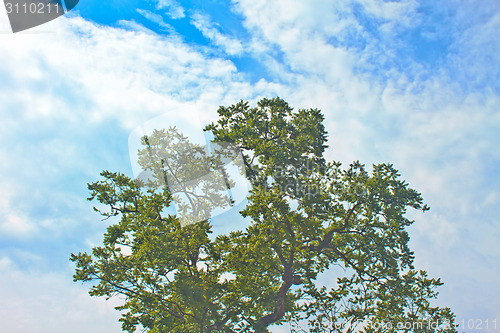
point(289, 279)
point(327, 238)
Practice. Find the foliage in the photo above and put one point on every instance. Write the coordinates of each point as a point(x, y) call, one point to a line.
point(307, 217)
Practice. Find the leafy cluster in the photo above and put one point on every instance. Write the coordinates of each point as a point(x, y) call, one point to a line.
point(307, 216)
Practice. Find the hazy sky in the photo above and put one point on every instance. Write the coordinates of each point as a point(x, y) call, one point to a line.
point(413, 83)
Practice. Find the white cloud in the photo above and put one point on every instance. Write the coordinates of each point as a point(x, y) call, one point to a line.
point(230, 45)
point(134, 26)
point(104, 71)
point(174, 10)
point(15, 225)
point(476, 48)
point(13, 222)
point(51, 302)
point(158, 19)
point(390, 10)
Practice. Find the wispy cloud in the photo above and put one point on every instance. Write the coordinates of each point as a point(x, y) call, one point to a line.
point(230, 45)
point(156, 18)
point(50, 303)
point(15, 224)
point(172, 7)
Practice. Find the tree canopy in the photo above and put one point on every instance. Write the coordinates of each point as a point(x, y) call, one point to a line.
point(326, 249)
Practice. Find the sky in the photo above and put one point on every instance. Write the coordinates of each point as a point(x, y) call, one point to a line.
point(413, 83)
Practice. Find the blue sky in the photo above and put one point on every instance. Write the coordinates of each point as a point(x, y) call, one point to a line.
point(414, 83)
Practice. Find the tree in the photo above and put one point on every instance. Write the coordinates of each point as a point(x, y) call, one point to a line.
point(307, 215)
